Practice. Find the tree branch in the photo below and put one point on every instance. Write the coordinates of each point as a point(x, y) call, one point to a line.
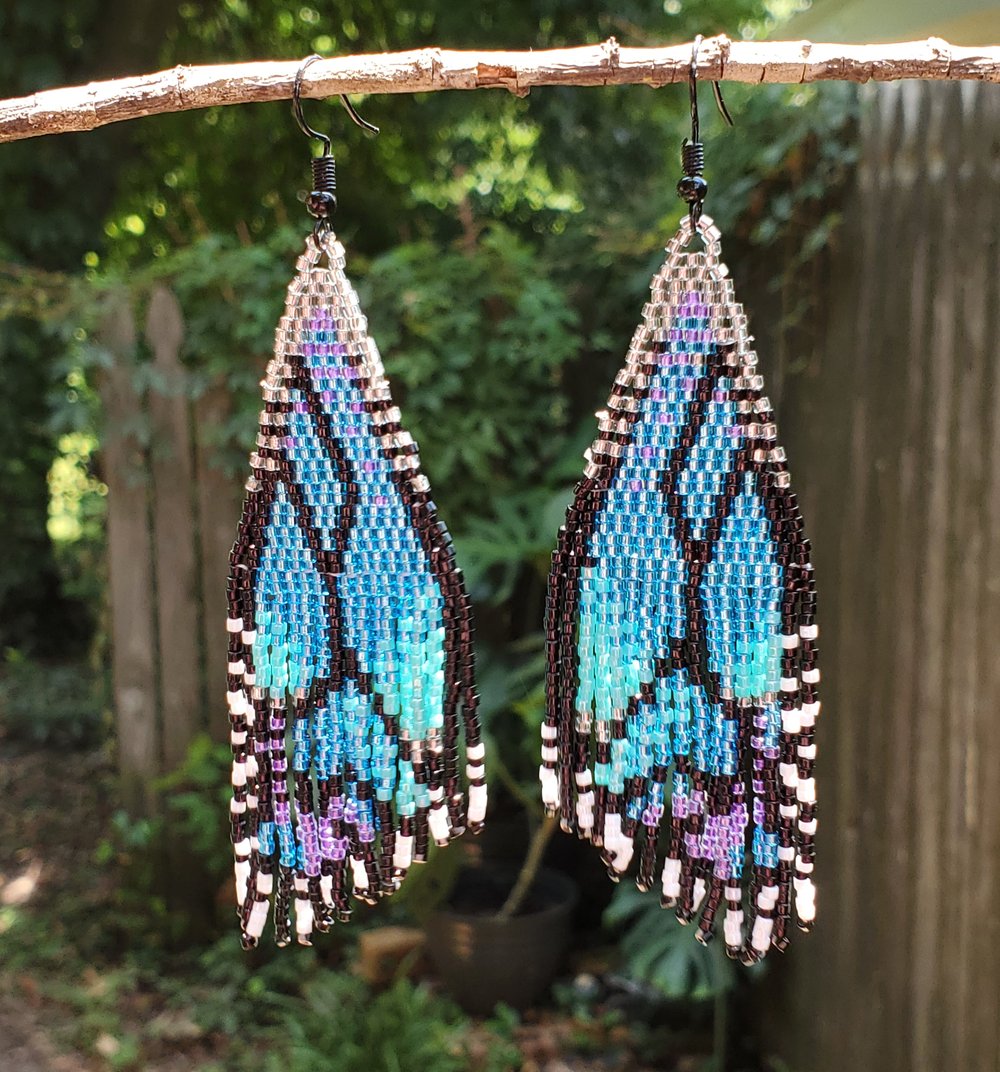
point(58, 111)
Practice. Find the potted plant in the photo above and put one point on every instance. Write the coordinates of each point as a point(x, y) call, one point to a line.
point(503, 921)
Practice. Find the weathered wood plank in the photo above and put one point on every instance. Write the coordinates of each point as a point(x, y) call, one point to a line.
point(219, 498)
point(178, 610)
point(130, 564)
point(896, 450)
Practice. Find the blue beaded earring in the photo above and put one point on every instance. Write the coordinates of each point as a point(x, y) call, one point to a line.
point(348, 617)
point(680, 624)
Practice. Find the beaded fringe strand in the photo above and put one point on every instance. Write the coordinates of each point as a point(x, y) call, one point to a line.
point(681, 630)
point(349, 618)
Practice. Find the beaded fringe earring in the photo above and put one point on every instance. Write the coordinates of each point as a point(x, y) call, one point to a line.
point(347, 616)
point(681, 620)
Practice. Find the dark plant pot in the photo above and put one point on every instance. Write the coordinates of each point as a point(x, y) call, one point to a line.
point(483, 960)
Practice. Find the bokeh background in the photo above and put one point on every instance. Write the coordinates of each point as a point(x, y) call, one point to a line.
point(502, 248)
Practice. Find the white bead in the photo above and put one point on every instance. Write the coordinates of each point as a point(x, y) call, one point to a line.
point(403, 855)
point(671, 878)
point(789, 684)
point(699, 894)
point(258, 917)
point(360, 874)
point(474, 770)
point(791, 721)
point(788, 811)
point(476, 752)
point(786, 852)
point(237, 668)
point(303, 917)
point(549, 755)
point(809, 632)
point(811, 676)
point(623, 857)
point(265, 883)
point(242, 870)
point(550, 786)
point(807, 751)
point(767, 897)
point(584, 778)
point(761, 939)
point(438, 822)
point(809, 827)
point(810, 712)
point(477, 803)
point(788, 642)
point(807, 791)
point(239, 776)
point(789, 774)
point(549, 733)
point(234, 625)
point(585, 810)
point(805, 899)
point(733, 927)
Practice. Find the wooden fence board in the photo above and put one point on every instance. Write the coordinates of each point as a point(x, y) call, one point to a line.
point(130, 564)
point(896, 450)
point(219, 500)
point(174, 549)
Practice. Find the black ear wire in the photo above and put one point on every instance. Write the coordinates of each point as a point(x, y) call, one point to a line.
point(322, 199)
point(692, 187)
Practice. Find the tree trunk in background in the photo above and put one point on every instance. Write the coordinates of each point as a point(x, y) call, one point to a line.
point(894, 440)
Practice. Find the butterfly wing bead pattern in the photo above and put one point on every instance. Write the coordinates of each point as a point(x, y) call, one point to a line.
point(351, 673)
point(680, 626)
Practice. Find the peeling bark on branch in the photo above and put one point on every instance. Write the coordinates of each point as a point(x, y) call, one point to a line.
point(57, 111)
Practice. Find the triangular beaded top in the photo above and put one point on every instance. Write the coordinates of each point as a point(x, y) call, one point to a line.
point(349, 625)
point(682, 682)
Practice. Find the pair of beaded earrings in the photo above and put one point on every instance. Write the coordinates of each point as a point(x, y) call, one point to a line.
point(680, 621)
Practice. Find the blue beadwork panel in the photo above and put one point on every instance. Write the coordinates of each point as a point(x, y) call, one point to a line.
point(350, 632)
point(681, 626)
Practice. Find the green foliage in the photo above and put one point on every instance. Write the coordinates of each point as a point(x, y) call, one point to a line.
point(196, 802)
point(339, 1025)
point(56, 706)
point(659, 952)
point(481, 374)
